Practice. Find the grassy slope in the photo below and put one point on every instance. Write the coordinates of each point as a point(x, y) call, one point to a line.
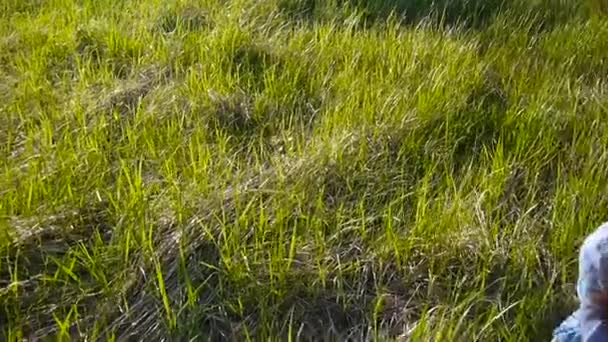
point(302, 168)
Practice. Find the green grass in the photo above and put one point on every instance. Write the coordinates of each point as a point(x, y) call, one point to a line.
point(294, 170)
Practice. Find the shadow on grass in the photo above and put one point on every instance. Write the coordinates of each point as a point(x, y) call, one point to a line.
point(469, 13)
point(33, 264)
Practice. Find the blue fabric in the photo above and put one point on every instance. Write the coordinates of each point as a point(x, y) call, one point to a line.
point(590, 322)
point(569, 330)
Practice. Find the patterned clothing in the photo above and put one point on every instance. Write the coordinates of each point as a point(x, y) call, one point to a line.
point(590, 322)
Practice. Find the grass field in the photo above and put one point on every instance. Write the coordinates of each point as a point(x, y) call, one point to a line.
point(296, 170)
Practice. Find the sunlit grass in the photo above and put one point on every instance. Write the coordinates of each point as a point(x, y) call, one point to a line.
point(290, 169)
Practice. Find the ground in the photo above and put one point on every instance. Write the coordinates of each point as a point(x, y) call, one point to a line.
point(298, 169)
